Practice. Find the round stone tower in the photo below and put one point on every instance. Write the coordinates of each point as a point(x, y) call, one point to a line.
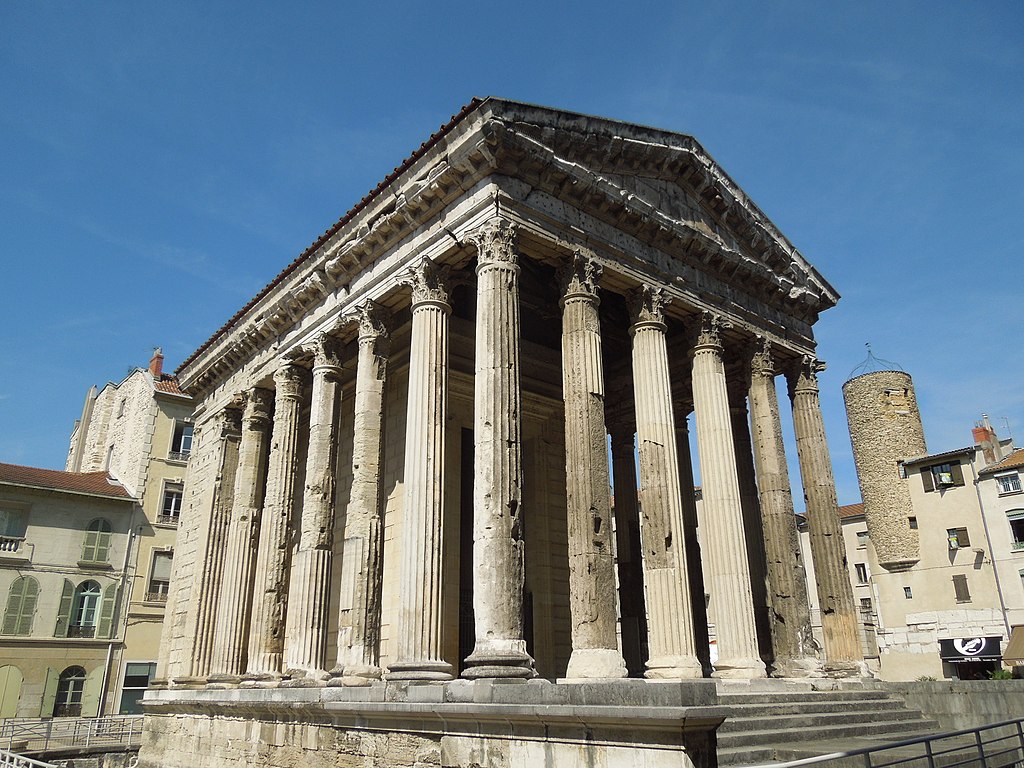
point(885, 428)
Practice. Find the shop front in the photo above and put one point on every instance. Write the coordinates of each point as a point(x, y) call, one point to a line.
point(970, 658)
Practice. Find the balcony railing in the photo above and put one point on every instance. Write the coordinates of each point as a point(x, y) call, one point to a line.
point(41, 735)
point(11, 544)
point(167, 520)
point(1017, 545)
point(178, 455)
point(156, 597)
point(81, 630)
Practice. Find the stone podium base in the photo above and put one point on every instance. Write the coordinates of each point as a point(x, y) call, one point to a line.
point(458, 724)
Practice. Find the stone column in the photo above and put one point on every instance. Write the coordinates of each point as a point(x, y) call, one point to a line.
point(498, 577)
point(752, 532)
point(418, 632)
point(359, 625)
point(270, 591)
point(595, 651)
point(233, 611)
point(794, 646)
point(628, 549)
point(694, 567)
point(673, 653)
point(843, 653)
point(228, 424)
point(723, 542)
point(310, 583)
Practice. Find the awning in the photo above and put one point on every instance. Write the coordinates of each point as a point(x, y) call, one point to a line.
point(970, 649)
point(1015, 648)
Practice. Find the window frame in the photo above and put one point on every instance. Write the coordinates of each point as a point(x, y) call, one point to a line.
point(85, 609)
point(70, 691)
point(159, 595)
point(135, 691)
point(861, 571)
point(961, 588)
point(98, 538)
point(182, 439)
point(958, 538)
point(1009, 476)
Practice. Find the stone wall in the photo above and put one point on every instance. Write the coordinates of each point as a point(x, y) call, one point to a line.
point(959, 704)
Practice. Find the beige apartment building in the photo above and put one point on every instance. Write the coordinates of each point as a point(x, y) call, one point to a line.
point(140, 432)
point(65, 543)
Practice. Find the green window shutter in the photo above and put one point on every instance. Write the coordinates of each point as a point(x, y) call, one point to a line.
point(102, 546)
point(49, 693)
point(89, 550)
point(958, 473)
point(91, 693)
point(28, 606)
point(10, 691)
point(15, 598)
point(64, 615)
point(106, 622)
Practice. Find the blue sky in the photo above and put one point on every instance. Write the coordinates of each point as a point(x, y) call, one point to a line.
point(162, 162)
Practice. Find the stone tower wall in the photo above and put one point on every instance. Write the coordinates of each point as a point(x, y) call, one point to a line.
point(885, 427)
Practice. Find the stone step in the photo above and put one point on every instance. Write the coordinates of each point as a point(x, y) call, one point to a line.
point(744, 722)
point(771, 709)
point(783, 752)
point(890, 730)
point(768, 697)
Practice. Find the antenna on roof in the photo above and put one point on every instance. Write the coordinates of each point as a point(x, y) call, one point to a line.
point(874, 364)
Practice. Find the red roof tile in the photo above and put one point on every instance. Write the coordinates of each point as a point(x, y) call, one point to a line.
point(169, 384)
point(92, 483)
point(851, 510)
point(1013, 461)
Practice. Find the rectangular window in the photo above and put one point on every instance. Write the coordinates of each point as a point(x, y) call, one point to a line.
point(907, 593)
point(862, 573)
point(120, 408)
point(1016, 519)
point(865, 606)
point(939, 476)
point(912, 522)
point(963, 593)
point(1008, 483)
point(862, 539)
point(170, 510)
point(181, 443)
point(958, 538)
point(159, 577)
point(136, 679)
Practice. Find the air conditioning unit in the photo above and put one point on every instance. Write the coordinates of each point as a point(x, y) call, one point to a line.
point(945, 478)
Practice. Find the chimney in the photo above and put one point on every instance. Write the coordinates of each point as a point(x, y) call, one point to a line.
point(986, 439)
point(156, 363)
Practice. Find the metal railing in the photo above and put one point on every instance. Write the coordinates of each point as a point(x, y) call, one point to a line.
point(999, 745)
point(33, 735)
point(13, 760)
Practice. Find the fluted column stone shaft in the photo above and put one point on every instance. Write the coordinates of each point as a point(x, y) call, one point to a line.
point(359, 625)
point(724, 545)
point(595, 651)
point(270, 591)
point(498, 576)
point(792, 641)
point(673, 652)
point(310, 582)
point(231, 636)
point(843, 654)
point(753, 535)
point(628, 549)
point(418, 641)
point(229, 427)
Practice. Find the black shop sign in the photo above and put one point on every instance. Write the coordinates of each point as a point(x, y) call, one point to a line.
point(970, 649)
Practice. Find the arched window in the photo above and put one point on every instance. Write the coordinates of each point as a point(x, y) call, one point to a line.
point(21, 606)
point(85, 610)
point(97, 542)
point(69, 693)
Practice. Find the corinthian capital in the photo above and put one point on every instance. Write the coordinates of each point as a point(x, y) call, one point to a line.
point(428, 281)
point(803, 375)
point(288, 379)
point(495, 242)
point(326, 352)
point(762, 362)
point(709, 333)
point(581, 275)
point(647, 304)
point(258, 402)
point(372, 320)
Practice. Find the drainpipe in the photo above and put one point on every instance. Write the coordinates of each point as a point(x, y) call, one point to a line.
point(133, 532)
point(988, 540)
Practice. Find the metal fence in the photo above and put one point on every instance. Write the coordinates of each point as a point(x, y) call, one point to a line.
point(1000, 745)
point(12, 760)
point(31, 735)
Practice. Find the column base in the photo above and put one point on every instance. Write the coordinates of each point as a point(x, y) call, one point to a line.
point(499, 663)
point(419, 670)
point(595, 664)
point(739, 669)
point(305, 678)
point(674, 668)
point(847, 669)
point(223, 681)
point(260, 680)
point(799, 669)
point(354, 676)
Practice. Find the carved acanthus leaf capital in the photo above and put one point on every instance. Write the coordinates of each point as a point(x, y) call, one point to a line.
point(803, 375)
point(429, 282)
point(372, 320)
point(495, 242)
point(326, 351)
point(647, 304)
point(258, 403)
point(229, 422)
point(288, 379)
point(762, 363)
point(581, 275)
point(709, 333)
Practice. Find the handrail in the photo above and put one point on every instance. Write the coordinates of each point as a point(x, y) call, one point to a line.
point(930, 754)
point(13, 760)
point(24, 735)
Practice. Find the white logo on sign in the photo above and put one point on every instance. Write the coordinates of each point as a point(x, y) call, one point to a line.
point(969, 646)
